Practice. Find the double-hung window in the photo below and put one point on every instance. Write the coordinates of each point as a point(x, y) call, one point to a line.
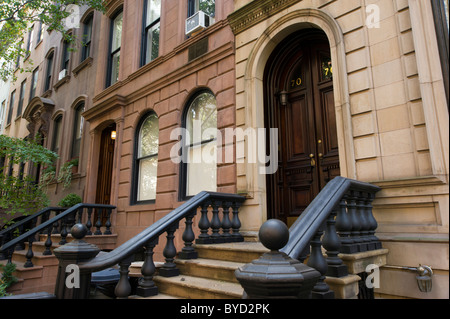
point(65, 57)
point(21, 98)
point(146, 159)
point(87, 37)
point(30, 40)
point(114, 51)
point(77, 130)
point(207, 6)
point(199, 154)
point(151, 29)
point(57, 134)
point(11, 106)
point(48, 77)
point(34, 81)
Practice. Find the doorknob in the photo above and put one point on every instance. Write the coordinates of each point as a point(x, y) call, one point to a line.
point(313, 161)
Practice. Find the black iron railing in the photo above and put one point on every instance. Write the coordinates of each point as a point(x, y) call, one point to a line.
point(225, 230)
point(19, 228)
point(342, 213)
point(41, 223)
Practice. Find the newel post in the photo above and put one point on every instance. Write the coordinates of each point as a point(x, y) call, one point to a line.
point(275, 275)
point(70, 283)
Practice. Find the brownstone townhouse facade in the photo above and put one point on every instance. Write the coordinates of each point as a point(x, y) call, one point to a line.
point(353, 88)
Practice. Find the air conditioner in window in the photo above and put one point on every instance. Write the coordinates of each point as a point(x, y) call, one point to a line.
point(62, 74)
point(197, 22)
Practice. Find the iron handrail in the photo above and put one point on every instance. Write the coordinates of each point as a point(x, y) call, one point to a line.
point(134, 244)
point(50, 222)
point(29, 218)
point(317, 212)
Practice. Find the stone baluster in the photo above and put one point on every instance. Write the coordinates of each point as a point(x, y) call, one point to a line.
point(363, 222)
point(204, 225)
point(98, 224)
point(48, 242)
point(108, 222)
point(188, 252)
point(344, 226)
point(236, 224)
point(56, 225)
point(316, 260)
point(123, 287)
point(352, 214)
point(366, 222)
point(29, 255)
point(215, 223)
point(226, 222)
point(374, 241)
point(88, 221)
point(169, 269)
point(332, 243)
point(64, 231)
point(147, 286)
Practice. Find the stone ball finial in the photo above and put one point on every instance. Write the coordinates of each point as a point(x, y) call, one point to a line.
point(78, 231)
point(274, 234)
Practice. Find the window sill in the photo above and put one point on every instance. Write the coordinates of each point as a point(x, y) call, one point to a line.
point(47, 93)
point(38, 44)
point(61, 82)
point(86, 63)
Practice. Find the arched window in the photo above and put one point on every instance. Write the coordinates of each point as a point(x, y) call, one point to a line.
point(146, 159)
point(77, 130)
point(199, 167)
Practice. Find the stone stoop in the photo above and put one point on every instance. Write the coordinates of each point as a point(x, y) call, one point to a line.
point(42, 276)
point(211, 276)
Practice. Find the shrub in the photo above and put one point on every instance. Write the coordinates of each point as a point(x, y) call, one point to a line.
point(70, 200)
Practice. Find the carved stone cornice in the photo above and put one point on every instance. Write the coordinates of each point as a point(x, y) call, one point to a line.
point(101, 107)
point(255, 12)
point(38, 114)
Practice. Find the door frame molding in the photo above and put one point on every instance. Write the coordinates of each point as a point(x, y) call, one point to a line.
point(253, 101)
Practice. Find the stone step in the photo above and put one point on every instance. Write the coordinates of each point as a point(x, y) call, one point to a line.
point(244, 252)
point(38, 259)
point(209, 268)
point(191, 287)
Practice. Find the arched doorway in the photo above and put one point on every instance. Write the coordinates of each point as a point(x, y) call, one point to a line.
point(299, 101)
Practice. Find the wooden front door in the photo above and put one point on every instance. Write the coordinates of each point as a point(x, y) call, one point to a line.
point(299, 102)
point(105, 168)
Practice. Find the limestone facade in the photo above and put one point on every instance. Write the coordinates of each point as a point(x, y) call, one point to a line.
point(392, 118)
point(390, 104)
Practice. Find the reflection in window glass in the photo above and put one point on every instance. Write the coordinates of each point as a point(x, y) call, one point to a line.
point(116, 39)
point(78, 131)
point(201, 125)
point(147, 158)
point(151, 30)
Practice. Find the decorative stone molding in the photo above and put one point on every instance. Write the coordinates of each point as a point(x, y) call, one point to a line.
point(38, 113)
point(86, 63)
point(255, 12)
